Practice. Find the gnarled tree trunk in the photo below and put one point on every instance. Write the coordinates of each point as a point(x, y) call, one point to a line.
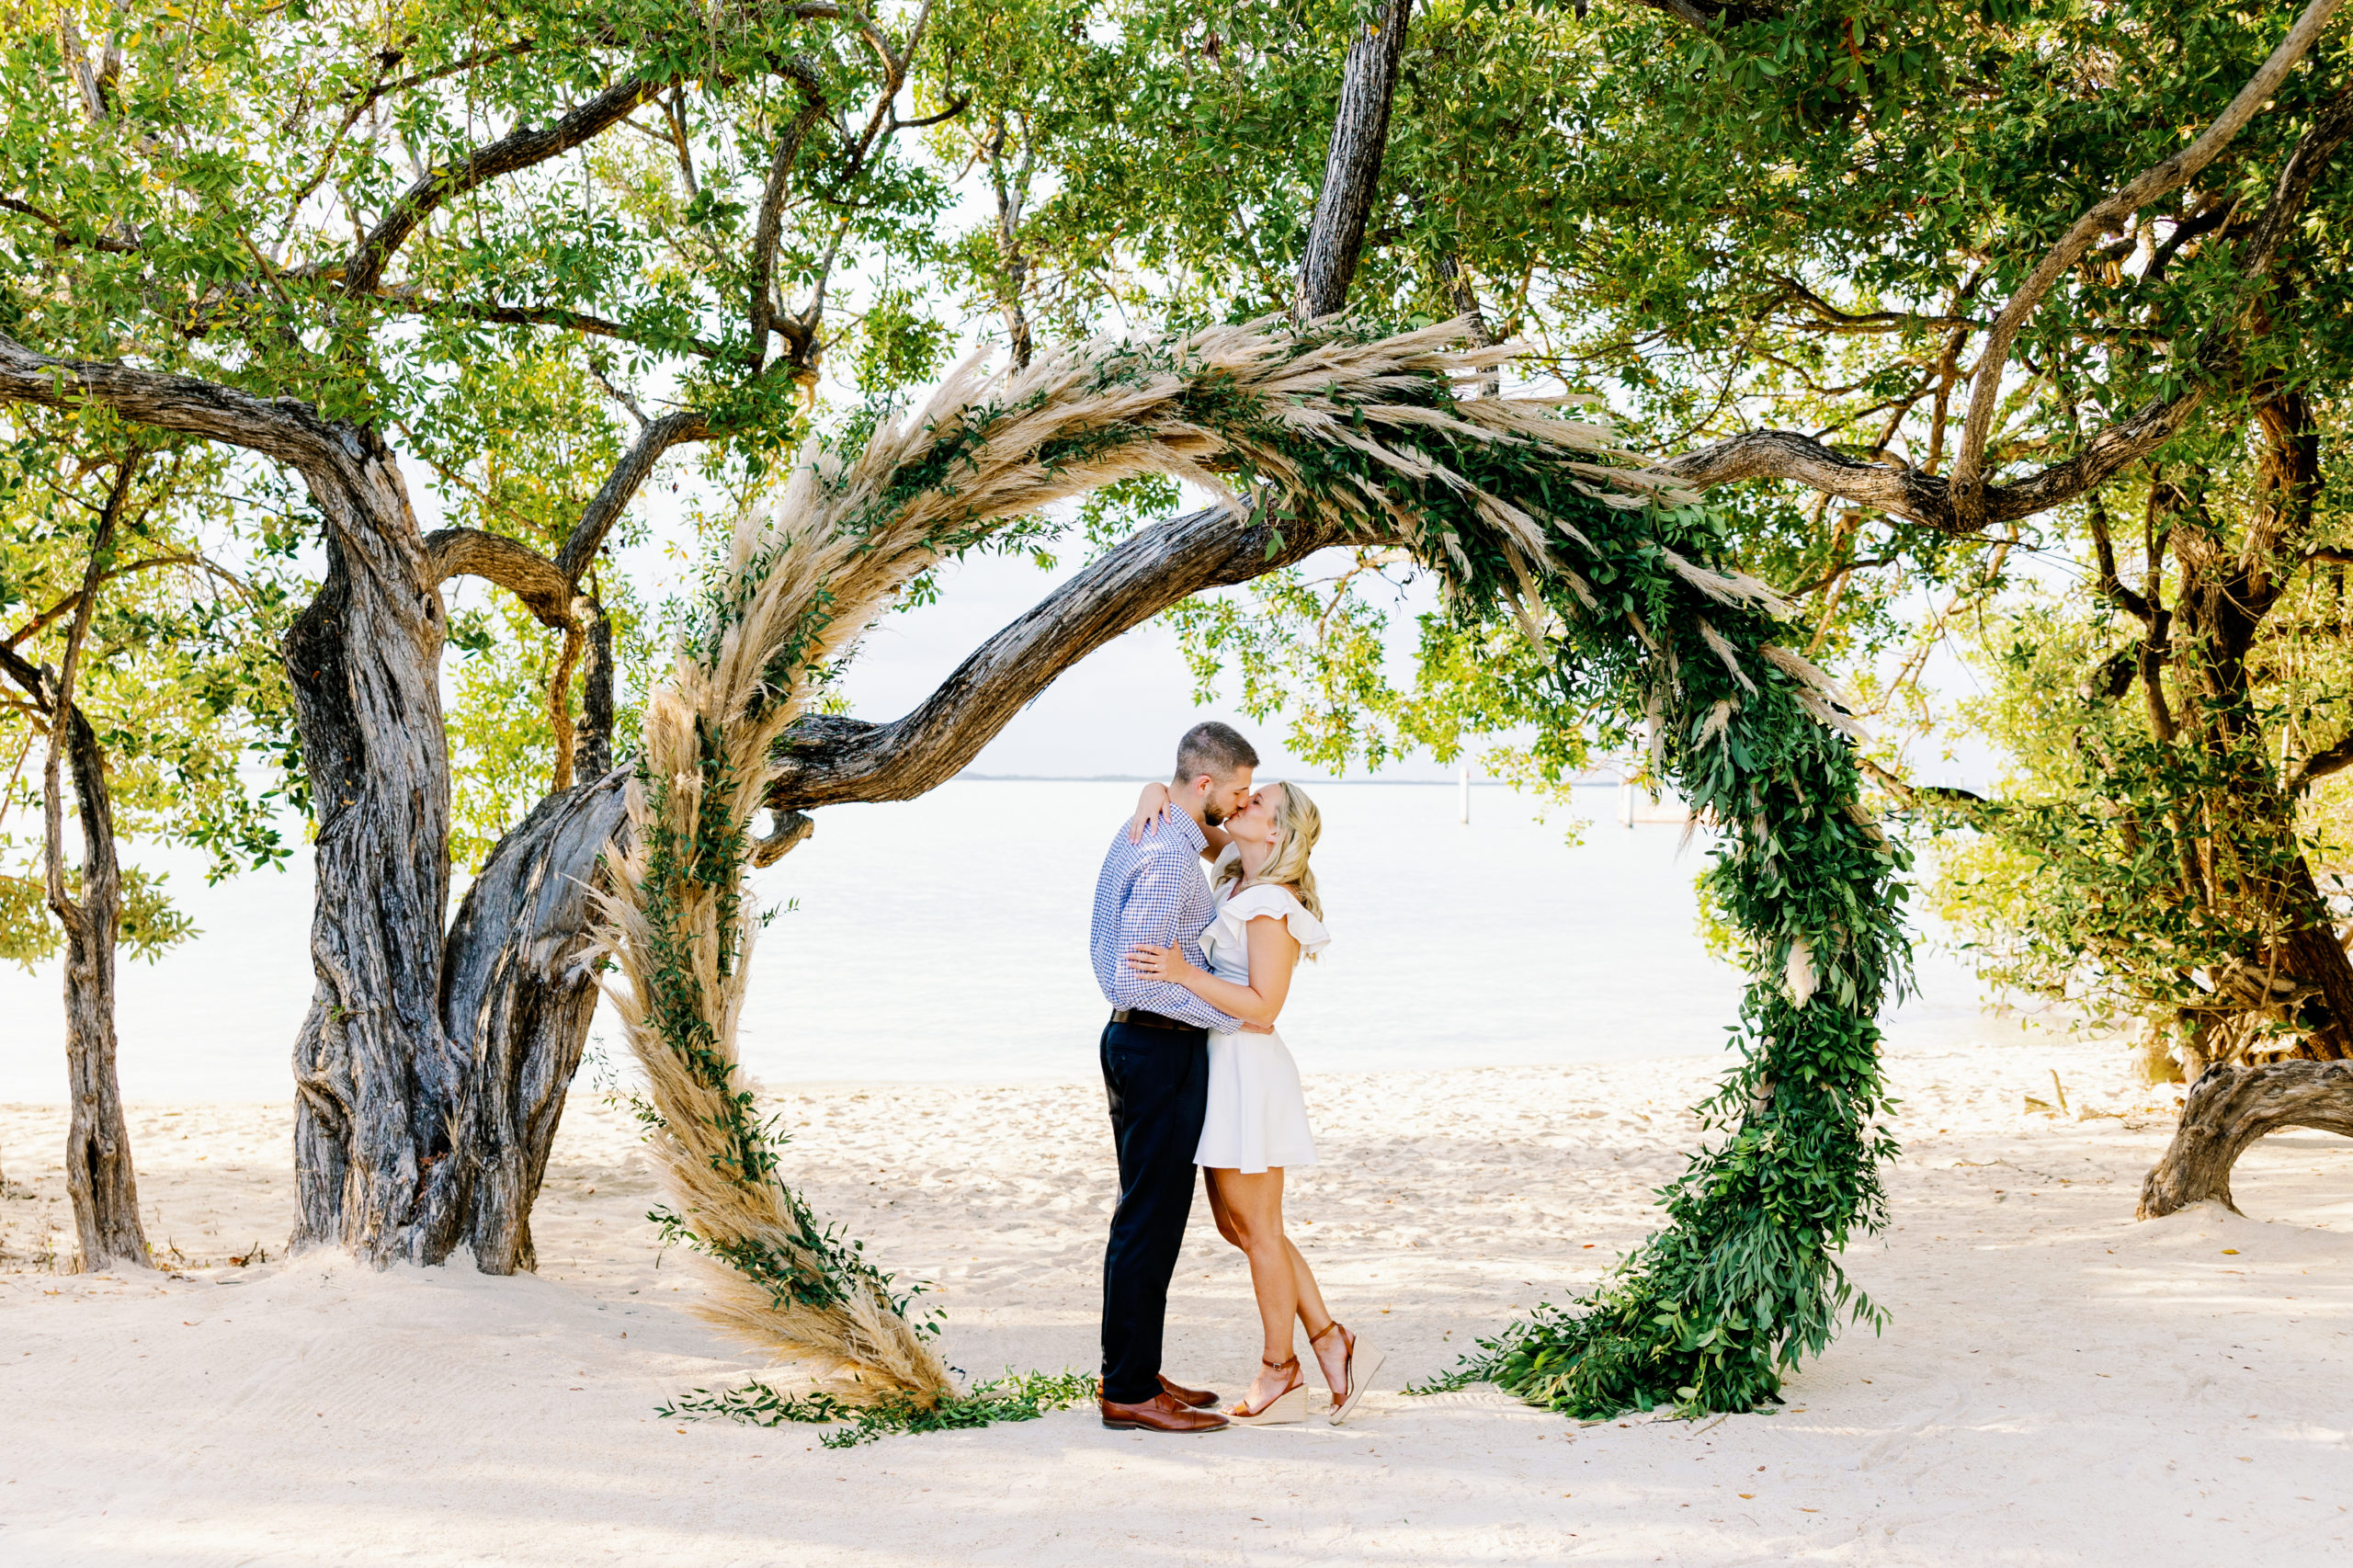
point(517, 991)
point(377, 1078)
point(432, 1067)
point(98, 1175)
point(2228, 1109)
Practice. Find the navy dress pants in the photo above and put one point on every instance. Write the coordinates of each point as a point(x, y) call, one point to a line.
point(1158, 1083)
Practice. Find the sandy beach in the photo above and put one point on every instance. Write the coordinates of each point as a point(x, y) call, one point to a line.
point(2058, 1384)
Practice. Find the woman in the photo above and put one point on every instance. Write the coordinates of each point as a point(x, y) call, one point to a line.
point(1256, 1127)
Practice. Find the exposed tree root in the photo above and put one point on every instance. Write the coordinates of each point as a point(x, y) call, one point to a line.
point(2229, 1108)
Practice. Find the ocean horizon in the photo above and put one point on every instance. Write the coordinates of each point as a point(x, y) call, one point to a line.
point(944, 940)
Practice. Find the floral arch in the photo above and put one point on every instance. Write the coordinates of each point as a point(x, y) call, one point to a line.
point(1322, 436)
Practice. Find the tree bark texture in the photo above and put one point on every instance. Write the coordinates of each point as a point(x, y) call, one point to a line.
point(517, 991)
point(594, 740)
point(1012, 188)
point(2229, 1108)
point(431, 1069)
point(98, 1175)
point(1352, 165)
point(376, 1076)
point(826, 760)
point(1464, 297)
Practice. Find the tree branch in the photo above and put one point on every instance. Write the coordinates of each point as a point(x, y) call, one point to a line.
point(1912, 797)
point(1968, 473)
point(1352, 165)
point(956, 105)
point(64, 237)
point(1702, 13)
point(538, 315)
point(604, 508)
point(1787, 454)
point(64, 714)
point(826, 761)
point(513, 565)
point(2109, 583)
point(2215, 213)
point(514, 152)
point(1936, 502)
point(550, 589)
point(2321, 764)
point(284, 428)
point(1463, 295)
point(1831, 316)
point(766, 231)
point(149, 563)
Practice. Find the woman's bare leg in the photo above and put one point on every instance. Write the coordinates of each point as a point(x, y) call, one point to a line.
point(1253, 1204)
point(1225, 1225)
point(1331, 1349)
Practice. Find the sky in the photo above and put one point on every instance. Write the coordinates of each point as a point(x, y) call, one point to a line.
point(1117, 711)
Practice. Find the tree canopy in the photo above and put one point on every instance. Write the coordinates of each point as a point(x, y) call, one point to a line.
point(178, 679)
point(1927, 296)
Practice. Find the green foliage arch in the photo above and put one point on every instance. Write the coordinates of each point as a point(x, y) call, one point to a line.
point(1523, 514)
point(1743, 1280)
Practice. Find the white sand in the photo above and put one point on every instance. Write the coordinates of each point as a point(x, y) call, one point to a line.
point(2060, 1384)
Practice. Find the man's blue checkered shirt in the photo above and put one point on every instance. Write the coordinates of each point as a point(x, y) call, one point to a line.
point(1150, 894)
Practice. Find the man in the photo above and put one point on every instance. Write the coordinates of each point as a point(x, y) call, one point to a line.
point(1155, 1070)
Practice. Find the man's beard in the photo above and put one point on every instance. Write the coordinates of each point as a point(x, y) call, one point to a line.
point(1212, 815)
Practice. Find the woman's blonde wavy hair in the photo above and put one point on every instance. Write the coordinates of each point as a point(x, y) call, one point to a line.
point(1298, 825)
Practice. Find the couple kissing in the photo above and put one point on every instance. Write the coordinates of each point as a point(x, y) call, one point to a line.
point(1196, 970)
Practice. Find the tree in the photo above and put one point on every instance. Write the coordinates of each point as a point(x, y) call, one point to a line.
point(297, 231)
point(2152, 859)
point(2009, 270)
point(97, 1157)
point(2229, 1108)
point(1811, 230)
point(124, 617)
point(360, 246)
point(2035, 269)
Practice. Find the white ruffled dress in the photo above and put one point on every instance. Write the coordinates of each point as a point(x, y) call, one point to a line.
point(1257, 1113)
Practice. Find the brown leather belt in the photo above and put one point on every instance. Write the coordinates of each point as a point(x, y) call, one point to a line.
point(1145, 1020)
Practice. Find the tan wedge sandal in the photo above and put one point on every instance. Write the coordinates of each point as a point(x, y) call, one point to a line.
point(1356, 1371)
point(1285, 1407)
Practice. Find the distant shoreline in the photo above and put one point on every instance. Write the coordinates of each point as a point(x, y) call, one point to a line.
point(1602, 781)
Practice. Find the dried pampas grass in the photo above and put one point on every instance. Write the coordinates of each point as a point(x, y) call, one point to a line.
point(1226, 408)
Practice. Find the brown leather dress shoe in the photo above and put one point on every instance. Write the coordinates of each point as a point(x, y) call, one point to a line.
point(1200, 1399)
point(1160, 1413)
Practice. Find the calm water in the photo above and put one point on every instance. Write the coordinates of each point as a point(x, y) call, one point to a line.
point(946, 939)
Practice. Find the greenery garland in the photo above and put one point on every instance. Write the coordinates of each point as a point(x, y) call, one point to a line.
point(1016, 1396)
point(816, 1267)
point(1519, 512)
point(1709, 1312)
point(1712, 1310)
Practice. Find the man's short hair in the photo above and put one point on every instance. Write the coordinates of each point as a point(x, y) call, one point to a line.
point(1215, 749)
